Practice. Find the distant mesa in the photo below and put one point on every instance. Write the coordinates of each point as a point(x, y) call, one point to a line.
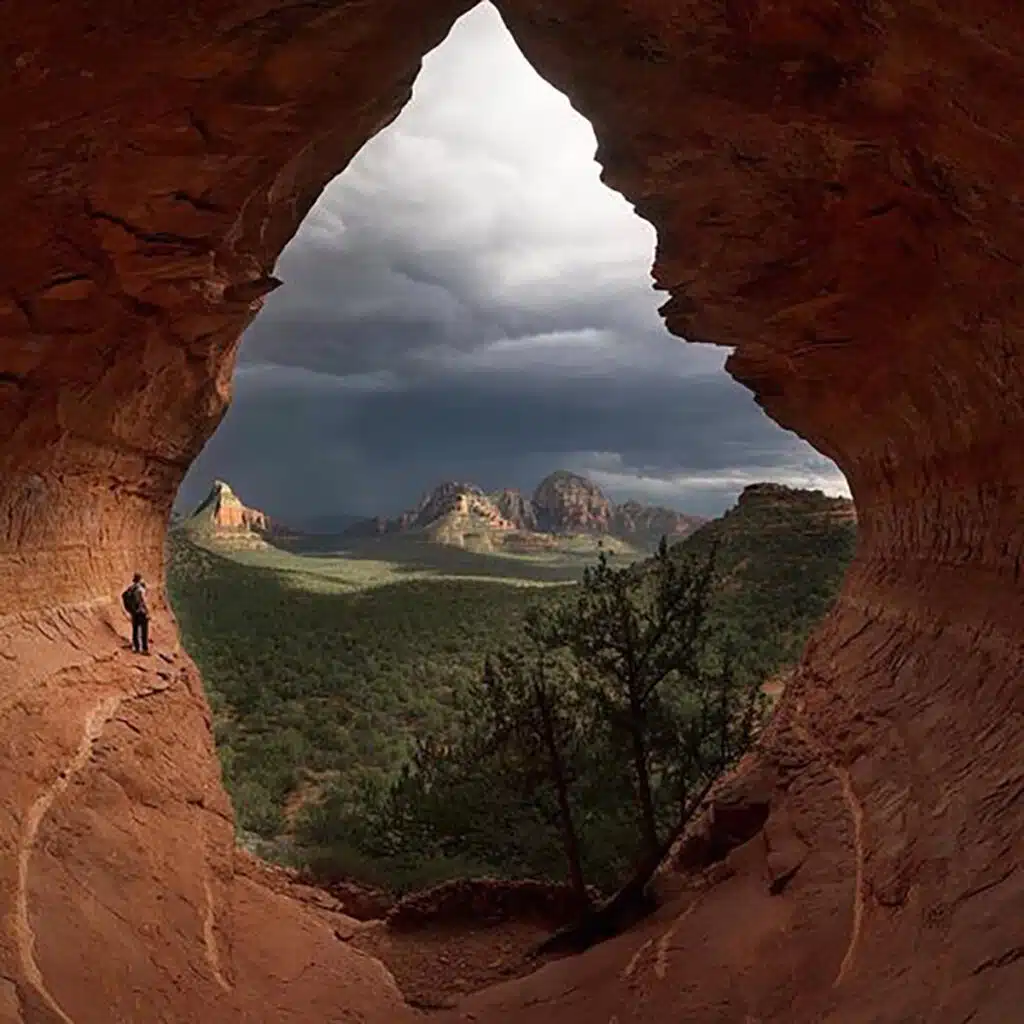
point(825, 506)
point(566, 514)
point(567, 503)
point(223, 517)
point(564, 508)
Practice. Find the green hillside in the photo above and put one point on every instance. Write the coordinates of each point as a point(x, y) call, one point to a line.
point(782, 556)
point(315, 674)
point(324, 670)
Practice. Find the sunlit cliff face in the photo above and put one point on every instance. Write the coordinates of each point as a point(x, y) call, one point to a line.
point(835, 191)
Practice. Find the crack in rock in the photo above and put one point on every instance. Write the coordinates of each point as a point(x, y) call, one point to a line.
point(842, 775)
point(95, 722)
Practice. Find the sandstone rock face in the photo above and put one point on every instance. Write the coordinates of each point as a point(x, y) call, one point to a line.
point(224, 512)
point(464, 501)
point(123, 897)
point(837, 193)
point(567, 503)
point(224, 522)
point(453, 514)
point(517, 508)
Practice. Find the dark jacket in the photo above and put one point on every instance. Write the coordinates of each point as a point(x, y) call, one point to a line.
point(141, 606)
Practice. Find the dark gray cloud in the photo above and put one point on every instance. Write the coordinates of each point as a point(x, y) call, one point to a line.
point(468, 301)
point(301, 443)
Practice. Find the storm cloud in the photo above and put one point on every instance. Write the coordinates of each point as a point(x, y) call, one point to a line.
point(468, 301)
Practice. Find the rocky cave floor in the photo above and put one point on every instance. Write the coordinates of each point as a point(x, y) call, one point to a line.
point(444, 957)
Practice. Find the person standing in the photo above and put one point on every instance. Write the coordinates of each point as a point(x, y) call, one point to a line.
point(134, 601)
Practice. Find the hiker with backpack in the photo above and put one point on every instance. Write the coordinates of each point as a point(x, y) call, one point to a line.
point(134, 601)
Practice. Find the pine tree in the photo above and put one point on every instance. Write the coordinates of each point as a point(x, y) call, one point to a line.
point(630, 630)
point(532, 710)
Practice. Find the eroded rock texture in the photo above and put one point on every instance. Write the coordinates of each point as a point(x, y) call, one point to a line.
point(837, 189)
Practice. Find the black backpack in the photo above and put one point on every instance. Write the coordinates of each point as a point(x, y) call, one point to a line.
point(130, 600)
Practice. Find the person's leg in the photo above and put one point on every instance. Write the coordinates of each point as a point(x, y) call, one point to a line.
point(136, 631)
point(145, 634)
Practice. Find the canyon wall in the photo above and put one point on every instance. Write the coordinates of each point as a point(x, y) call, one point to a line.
point(837, 189)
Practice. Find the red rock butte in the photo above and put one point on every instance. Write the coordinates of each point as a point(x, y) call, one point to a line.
point(838, 191)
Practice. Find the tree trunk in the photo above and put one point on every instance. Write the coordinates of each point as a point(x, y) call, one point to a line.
point(570, 840)
point(648, 822)
point(633, 901)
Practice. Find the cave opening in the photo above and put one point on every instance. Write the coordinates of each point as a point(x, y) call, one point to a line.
point(836, 193)
point(466, 311)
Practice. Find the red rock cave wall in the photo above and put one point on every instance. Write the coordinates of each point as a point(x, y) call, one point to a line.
point(837, 191)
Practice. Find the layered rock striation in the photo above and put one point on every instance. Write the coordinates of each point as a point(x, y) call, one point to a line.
point(836, 190)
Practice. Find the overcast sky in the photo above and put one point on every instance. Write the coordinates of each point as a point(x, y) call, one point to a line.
point(468, 301)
